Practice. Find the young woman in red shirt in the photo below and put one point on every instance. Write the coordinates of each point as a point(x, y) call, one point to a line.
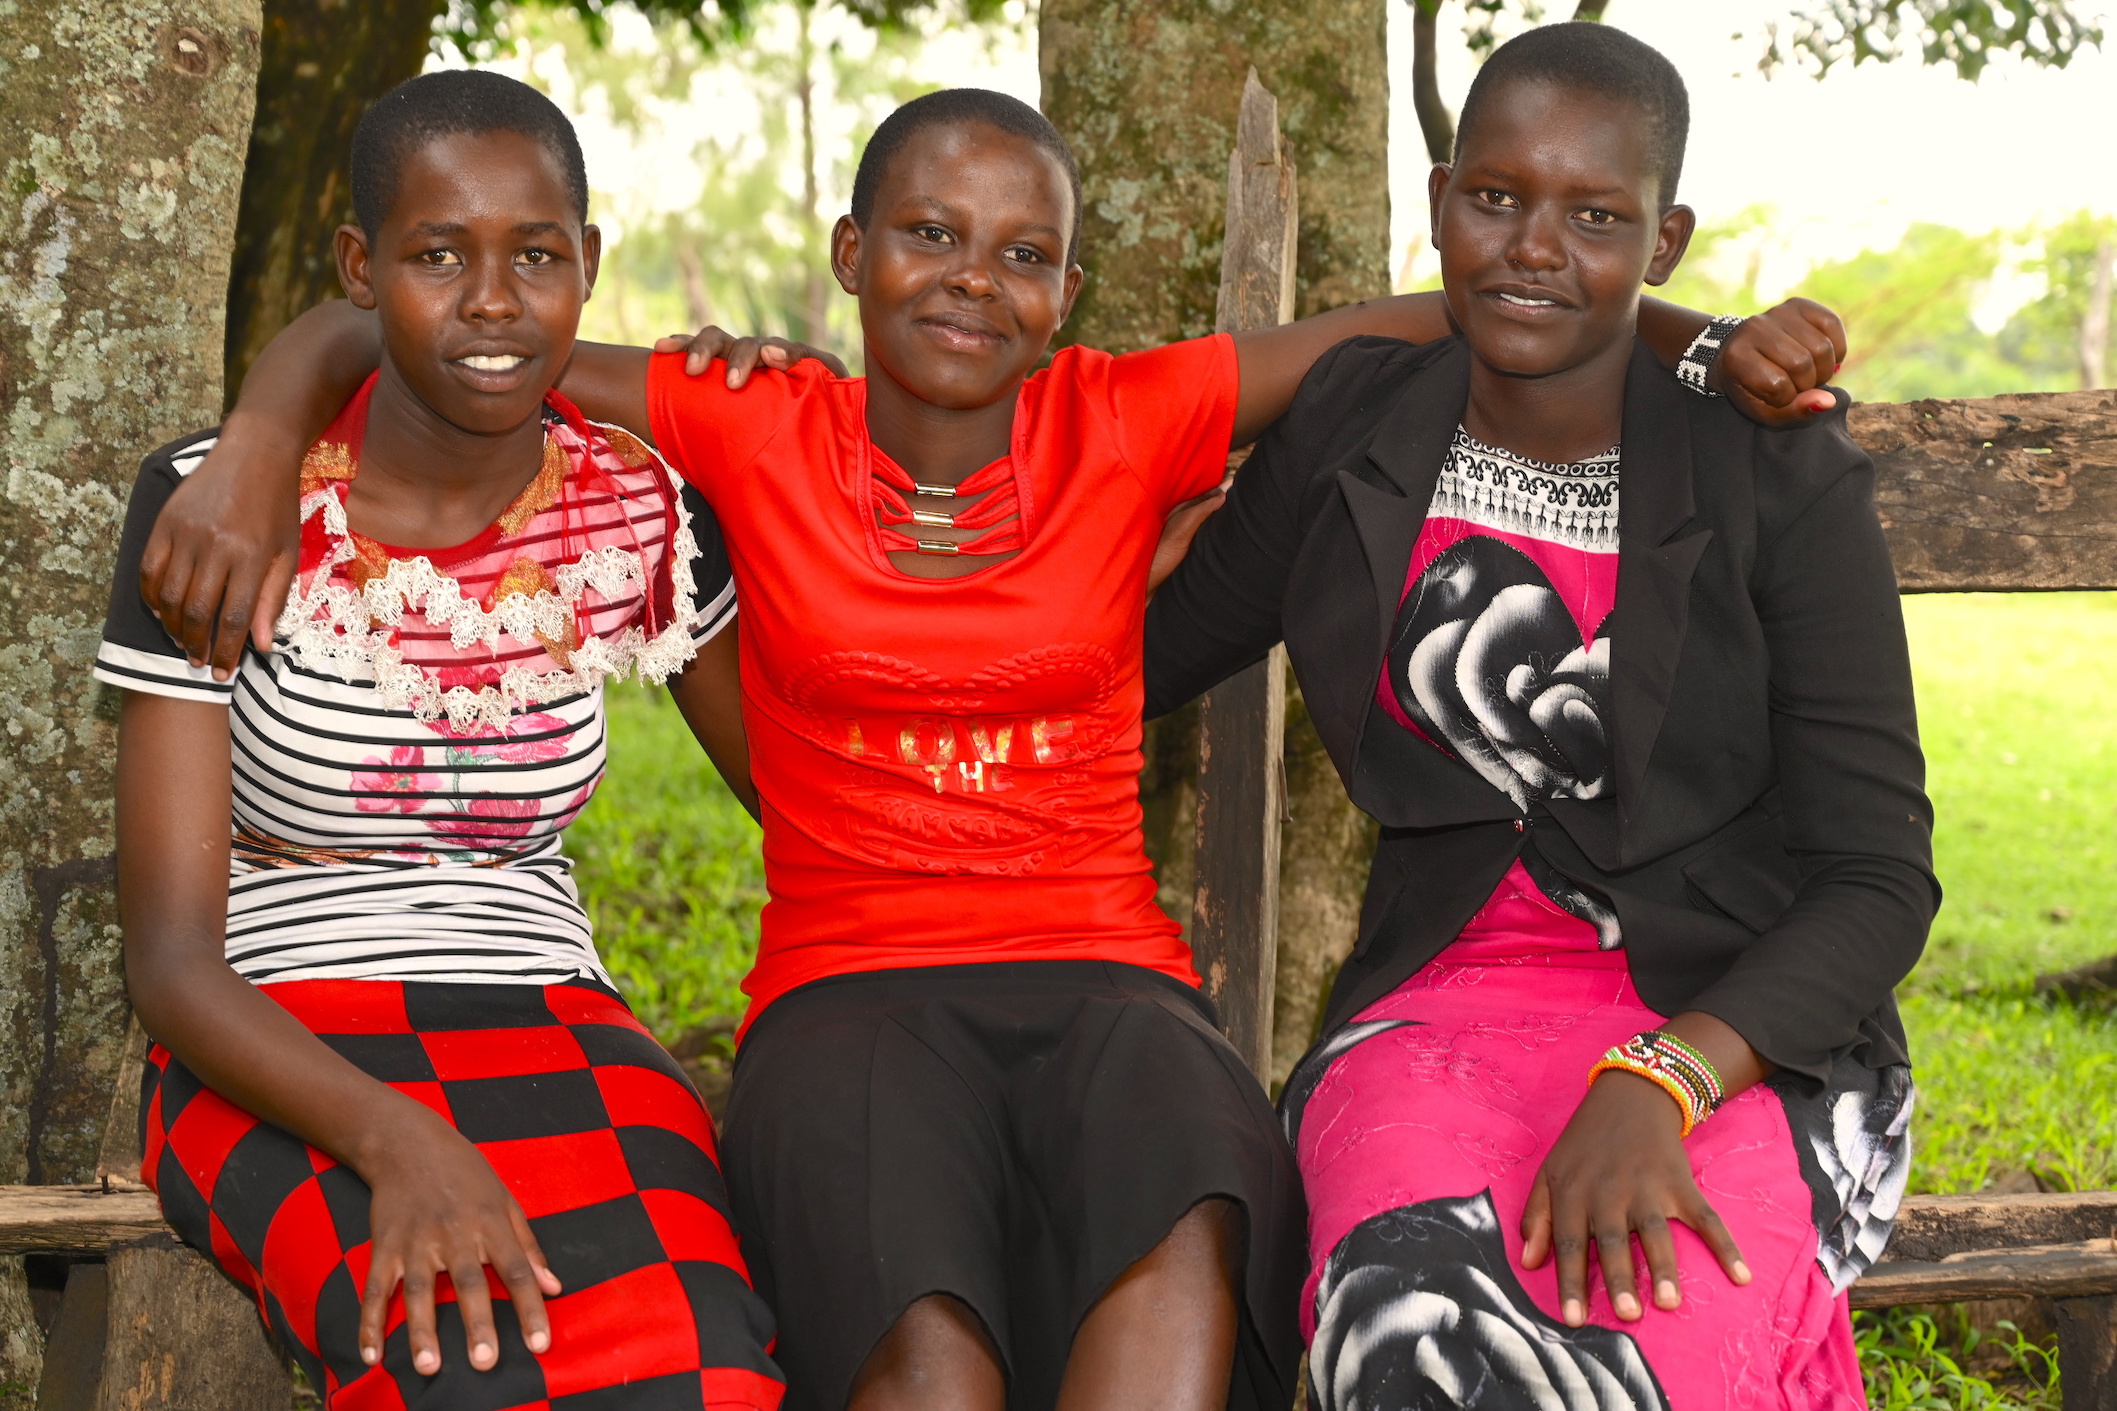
point(985, 1144)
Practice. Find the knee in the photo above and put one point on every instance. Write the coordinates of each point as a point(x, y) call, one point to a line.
point(1215, 1231)
point(937, 1356)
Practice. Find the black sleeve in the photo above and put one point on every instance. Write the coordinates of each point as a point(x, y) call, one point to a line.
point(712, 577)
point(1220, 610)
point(1850, 772)
point(136, 653)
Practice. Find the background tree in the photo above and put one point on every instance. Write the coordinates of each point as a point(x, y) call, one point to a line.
point(121, 154)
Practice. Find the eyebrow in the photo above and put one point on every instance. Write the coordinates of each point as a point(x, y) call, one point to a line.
point(527, 227)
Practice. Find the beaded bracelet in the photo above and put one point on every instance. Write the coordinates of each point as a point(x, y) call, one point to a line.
point(1698, 359)
point(1669, 1063)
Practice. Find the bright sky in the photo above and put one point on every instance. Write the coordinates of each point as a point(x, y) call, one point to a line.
point(1848, 162)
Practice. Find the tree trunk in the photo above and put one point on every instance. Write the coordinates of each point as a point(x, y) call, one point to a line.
point(2095, 321)
point(1436, 123)
point(324, 62)
point(1147, 92)
point(122, 156)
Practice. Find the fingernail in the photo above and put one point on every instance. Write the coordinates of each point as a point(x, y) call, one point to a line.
point(482, 1352)
point(371, 1355)
point(1575, 1314)
point(1666, 1293)
point(426, 1362)
point(1627, 1306)
point(1741, 1272)
point(540, 1342)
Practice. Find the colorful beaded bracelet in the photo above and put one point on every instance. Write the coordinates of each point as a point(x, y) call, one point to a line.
point(1669, 1063)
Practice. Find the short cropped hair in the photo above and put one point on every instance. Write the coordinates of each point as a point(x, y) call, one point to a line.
point(444, 104)
point(950, 107)
point(1593, 58)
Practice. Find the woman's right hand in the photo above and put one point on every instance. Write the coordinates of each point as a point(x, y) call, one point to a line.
point(439, 1208)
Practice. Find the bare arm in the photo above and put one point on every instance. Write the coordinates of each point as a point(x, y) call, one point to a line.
point(709, 693)
point(437, 1206)
point(222, 556)
point(1771, 368)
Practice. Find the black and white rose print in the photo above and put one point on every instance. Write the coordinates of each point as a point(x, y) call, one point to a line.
point(1488, 662)
point(1418, 1311)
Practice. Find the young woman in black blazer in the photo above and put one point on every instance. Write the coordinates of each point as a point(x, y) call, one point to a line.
point(1655, 847)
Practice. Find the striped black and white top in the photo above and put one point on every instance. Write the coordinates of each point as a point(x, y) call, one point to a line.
point(369, 844)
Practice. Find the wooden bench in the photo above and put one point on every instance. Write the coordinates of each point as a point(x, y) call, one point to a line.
point(145, 1323)
point(2063, 1248)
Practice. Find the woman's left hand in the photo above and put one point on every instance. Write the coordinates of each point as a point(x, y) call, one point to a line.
point(1775, 365)
point(1620, 1169)
point(744, 355)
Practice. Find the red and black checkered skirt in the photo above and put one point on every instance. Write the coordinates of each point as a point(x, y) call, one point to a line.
point(594, 1130)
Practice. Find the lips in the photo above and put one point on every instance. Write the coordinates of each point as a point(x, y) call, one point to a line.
point(1527, 300)
point(962, 333)
point(493, 370)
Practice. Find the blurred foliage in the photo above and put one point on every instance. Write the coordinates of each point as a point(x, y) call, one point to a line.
point(1912, 309)
point(1963, 34)
point(480, 29)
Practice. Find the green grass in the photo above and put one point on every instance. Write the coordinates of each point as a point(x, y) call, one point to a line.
point(669, 868)
point(2023, 769)
point(2022, 751)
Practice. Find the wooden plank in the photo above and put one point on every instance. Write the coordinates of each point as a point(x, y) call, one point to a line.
point(1241, 771)
point(75, 1219)
point(1997, 493)
point(1933, 1227)
point(2086, 1269)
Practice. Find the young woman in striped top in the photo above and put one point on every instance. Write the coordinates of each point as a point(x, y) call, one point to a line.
point(388, 1055)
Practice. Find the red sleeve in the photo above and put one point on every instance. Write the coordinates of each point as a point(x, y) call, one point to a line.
point(709, 433)
point(1174, 410)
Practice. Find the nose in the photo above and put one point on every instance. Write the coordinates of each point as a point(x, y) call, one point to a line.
point(1538, 243)
point(972, 275)
point(489, 294)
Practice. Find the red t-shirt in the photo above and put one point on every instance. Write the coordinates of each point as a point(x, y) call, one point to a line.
point(949, 768)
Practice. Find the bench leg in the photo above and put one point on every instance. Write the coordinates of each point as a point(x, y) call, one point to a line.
point(177, 1336)
point(2087, 1352)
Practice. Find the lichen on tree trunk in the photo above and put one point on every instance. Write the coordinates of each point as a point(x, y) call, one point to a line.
point(1147, 94)
point(121, 158)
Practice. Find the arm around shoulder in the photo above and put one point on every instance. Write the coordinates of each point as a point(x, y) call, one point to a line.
point(1220, 610)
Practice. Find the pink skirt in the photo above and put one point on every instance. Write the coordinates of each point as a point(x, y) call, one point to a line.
point(1421, 1125)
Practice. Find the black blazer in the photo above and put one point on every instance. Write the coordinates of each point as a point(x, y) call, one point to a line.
point(1768, 847)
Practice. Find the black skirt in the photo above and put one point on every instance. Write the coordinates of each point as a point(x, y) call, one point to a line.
point(1015, 1135)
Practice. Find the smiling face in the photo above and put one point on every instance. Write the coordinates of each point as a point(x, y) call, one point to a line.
point(479, 271)
point(961, 271)
point(1547, 225)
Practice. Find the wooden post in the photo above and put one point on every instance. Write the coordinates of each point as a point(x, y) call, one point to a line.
point(2087, 1352)
point(1241, 771)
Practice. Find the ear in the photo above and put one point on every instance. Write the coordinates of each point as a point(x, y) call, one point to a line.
point(845, 254)
point(1436, 187)
point(1075, 275)
point(591, 258)
point(350, 245)
point(1670, 242)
